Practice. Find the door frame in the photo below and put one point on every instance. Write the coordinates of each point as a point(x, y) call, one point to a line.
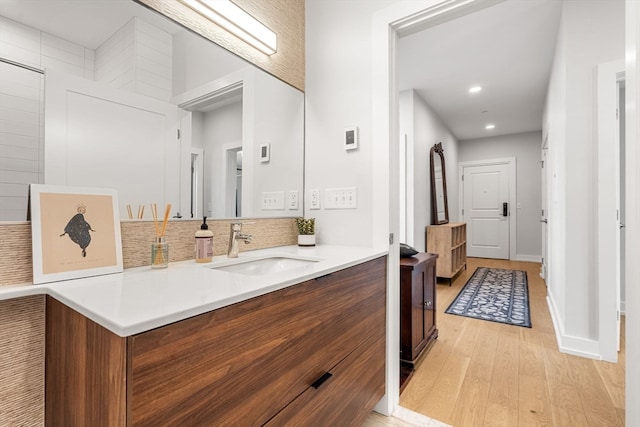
point(608, 215)
point(513, 213)
point(387, 25)
point(544, 212)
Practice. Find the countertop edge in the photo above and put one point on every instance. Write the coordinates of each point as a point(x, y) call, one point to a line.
point(56, 290)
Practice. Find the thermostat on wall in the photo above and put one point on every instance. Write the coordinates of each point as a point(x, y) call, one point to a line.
point(265, 152)
point(351, 137)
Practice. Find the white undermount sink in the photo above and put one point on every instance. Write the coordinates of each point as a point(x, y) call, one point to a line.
point(268, 264)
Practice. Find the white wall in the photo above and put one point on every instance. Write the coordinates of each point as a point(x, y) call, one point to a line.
point(222, 129)
point(338, 90)
point(632, 294)
point(591, 32)
point(278, 119)
point(525, 147)
point(197, 61)
point(424, 129)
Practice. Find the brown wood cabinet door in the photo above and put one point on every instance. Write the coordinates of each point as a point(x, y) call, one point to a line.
point(417, 305)
point(85, 375)
point(429, 301)
point(344, 399)
point(418, 316)
point(241, 364)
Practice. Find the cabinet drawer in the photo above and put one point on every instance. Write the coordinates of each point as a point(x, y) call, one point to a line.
point(241, 364)
point(346, 398)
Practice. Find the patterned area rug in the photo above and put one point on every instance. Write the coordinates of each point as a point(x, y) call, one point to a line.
point(496, 295)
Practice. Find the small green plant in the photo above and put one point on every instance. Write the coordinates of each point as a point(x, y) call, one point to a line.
point(306, 226)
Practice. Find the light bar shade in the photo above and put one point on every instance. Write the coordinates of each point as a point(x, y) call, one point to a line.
point(232, 18)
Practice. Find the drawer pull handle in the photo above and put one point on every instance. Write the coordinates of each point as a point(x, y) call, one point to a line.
point(427, 303)
point(317, 383)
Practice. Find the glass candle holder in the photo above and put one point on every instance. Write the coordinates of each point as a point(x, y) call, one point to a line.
point(159, 253)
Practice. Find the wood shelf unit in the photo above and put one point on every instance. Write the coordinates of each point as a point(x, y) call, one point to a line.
point(449, 241)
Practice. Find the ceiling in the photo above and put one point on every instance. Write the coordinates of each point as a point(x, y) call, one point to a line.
point(506, 48)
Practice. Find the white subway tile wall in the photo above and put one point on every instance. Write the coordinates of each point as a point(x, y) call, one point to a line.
point(154, 61)
point(137, 58)
point(21, 107)
point(21, 136)
point(114, 59)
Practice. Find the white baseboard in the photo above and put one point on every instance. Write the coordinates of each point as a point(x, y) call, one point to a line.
point(528, 258)
point(416, 419)
point(623, 309)
point(569, 344)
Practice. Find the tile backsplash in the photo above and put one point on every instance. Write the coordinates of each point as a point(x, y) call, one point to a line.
point(15, 245)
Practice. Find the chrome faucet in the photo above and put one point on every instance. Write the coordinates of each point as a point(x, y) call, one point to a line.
point(235, 235)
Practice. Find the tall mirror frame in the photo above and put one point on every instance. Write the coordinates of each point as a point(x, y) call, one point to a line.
point(439, 203)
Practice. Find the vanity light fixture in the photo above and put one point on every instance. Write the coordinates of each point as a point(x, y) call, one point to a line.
point(232, 18)
point(490, 126)
point(475, 89)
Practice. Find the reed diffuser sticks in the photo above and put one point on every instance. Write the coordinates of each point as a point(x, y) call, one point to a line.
point(160, 229)
point(160, 249)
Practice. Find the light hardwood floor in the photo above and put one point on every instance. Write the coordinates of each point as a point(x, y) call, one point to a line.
point(481, 373)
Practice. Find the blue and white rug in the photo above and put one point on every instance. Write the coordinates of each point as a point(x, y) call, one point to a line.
point(496, 295)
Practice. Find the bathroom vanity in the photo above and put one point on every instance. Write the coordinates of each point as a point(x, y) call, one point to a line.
point(307, 347)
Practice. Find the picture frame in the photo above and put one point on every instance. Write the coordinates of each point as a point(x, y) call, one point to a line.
point(75, 232)
point(265, 152)
point(351, 138)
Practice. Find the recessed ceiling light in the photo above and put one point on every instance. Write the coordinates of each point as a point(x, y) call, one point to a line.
point(490, 126)
point(475, 89)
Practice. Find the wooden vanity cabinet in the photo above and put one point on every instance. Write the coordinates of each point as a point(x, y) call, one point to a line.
point(417, 305)
point(250, 363)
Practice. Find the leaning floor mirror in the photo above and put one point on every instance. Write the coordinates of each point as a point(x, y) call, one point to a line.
point(439, 205)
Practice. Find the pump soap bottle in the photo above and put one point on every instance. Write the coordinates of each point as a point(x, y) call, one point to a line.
point(204, 243)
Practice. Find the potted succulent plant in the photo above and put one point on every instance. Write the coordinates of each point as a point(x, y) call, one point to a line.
point(306, 231)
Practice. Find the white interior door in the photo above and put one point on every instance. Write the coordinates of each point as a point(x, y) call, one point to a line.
point(98, 136)
point(485, 193)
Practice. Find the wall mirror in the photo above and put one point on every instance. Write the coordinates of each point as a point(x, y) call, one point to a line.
point(439, 204)
point(110, 94)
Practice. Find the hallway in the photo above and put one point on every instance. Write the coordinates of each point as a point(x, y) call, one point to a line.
point(481, 373)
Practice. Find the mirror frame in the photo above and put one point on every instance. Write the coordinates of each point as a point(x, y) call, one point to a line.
point(438, 150)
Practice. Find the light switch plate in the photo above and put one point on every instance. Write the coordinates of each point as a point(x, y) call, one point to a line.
point(314, 199)
point(292, 202)
point(341, 198)
point(273, 200)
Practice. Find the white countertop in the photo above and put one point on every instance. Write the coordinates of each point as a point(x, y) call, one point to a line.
point(141, 299)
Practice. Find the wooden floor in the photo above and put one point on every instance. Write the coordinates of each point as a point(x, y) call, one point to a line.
point(481, 373)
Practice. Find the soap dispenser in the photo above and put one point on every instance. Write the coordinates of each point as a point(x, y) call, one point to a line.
point(204, 243)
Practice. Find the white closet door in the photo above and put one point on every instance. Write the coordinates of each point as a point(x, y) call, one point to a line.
point(98, 136)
